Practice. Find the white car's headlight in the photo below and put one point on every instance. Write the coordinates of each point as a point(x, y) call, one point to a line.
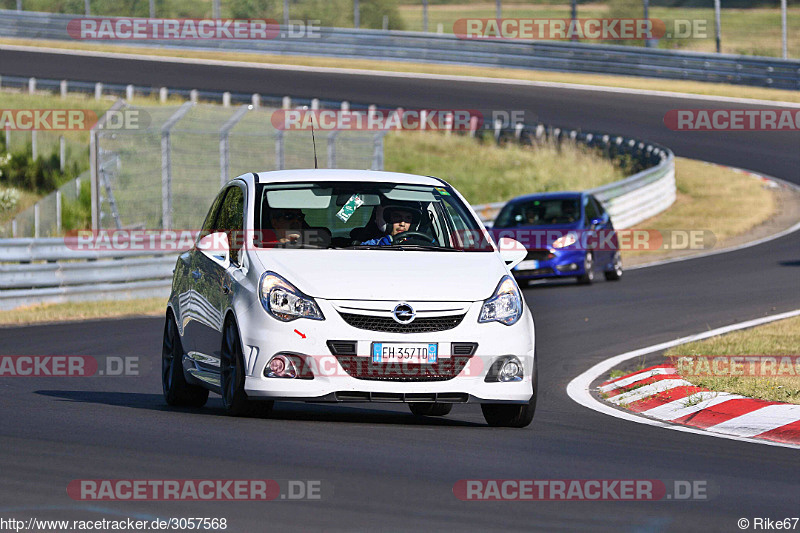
point(284, 301)
point(564, 241)
point(505, 305)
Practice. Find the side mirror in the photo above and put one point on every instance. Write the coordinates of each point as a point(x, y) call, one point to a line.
point(513, 252)
point(216, 247)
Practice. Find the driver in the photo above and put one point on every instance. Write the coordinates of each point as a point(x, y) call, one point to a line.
point(398, 220)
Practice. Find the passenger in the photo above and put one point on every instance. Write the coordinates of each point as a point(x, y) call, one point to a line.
point(398, 220)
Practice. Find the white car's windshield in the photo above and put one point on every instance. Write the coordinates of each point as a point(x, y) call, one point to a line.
point(364, 215)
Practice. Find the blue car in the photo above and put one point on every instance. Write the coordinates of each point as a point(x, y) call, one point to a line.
point(566, 234)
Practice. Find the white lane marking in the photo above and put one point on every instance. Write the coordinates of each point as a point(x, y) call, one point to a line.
point(647, 390)
point(578, 388)
point(758, 421)
point(639, 376)
point(396, 74)
point(680, 408)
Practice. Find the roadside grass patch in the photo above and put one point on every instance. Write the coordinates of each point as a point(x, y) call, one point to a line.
point(778, 338)
point(484, 172)
point(44, 313)
point(714, 198)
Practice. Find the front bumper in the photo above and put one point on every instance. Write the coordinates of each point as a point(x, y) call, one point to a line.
point(263, 337)
point(555, 264)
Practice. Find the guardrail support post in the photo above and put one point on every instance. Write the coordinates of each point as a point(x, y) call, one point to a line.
point(63, 88)
point(162, 95)
point(36, 220)
point(279, 162)
point(193, 96)
point(226, 99)
point(314, 104)
point(332, 149)
point(129, 92)
point(98, 91)
point(58, 212)
point(31, 85)
point(286, 103)
point(256, 101)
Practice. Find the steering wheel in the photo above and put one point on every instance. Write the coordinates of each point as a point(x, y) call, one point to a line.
point(402, 238)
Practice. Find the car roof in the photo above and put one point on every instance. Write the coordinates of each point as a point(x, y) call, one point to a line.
point(561, 195)
point(306, 175)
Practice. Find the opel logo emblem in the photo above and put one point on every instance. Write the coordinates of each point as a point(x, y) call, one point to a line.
point(403, 313)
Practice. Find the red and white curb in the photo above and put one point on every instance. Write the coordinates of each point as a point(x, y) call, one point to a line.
point(660, 392)
point(665, 400)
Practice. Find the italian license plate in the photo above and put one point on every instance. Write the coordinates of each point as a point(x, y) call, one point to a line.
point(530, 264)
point(405, 352)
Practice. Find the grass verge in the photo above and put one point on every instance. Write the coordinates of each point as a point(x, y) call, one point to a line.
point(484, 172)
point(778, 338)
point(602, 80)
point(714, 198)
point(44, 313)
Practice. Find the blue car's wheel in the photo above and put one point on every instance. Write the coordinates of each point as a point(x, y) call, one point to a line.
point(588, 269)
point(616, 272)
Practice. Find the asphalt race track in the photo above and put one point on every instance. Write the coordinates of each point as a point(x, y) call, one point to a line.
point(380, 467)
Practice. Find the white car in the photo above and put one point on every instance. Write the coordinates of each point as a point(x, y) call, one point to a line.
point(349, 286)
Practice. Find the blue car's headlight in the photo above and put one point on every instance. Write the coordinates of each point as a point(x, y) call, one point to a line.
point(505, 305)
point(284, 301)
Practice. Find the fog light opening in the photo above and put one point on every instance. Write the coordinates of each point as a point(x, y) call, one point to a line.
point(511, 370)
point(280, 366)
point(567, 268)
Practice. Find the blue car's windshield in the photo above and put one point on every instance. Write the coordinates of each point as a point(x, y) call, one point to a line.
point(543, 212)
point(364, 215)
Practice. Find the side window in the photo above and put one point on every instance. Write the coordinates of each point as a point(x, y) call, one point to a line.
point(599, 205)
point(231, 220)
point(208, 224)
point(591, 210)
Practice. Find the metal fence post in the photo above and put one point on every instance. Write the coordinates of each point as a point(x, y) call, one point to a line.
point(166, 165)
point(279, 162)
point(14, 228)
point(377, 152)
point(58, 213)
point(34, 145)
point(152, 9)
point(224, 143)
point(215, 9)
point(424, 15)
point(94, 164)
point(356, 14)
point(87, 7)
point(36, 220)
point(19, 5)
point(332, 149)
point(62, 153)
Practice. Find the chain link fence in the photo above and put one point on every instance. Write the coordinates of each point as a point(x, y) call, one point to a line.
point(164, 175)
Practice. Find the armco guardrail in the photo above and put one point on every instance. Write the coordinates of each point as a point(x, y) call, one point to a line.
point(72, 275)
point(445, 48)
point(629, 201)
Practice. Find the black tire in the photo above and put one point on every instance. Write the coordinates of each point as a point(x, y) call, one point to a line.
point(430, 408)
point(511, 415)
point(588, 267)
point(616, 273)
point(177, 391)
point(232, 374)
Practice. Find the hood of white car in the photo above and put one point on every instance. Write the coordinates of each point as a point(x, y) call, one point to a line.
point(388, 275)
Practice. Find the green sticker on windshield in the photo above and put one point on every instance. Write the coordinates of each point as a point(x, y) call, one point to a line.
point(442, 191)
point(350, 207)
